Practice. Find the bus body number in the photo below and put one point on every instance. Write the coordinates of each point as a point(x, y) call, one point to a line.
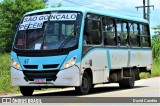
point(26, 61)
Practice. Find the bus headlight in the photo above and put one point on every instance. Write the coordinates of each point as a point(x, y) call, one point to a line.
point(15, 64)
point(70, 62)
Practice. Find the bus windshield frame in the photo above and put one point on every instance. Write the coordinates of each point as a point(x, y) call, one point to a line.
point(48, 32)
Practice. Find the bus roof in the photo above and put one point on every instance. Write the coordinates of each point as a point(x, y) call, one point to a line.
point(86, 10)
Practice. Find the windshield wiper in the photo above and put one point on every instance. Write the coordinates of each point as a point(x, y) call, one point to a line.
point(44, 34)
point(67, 40)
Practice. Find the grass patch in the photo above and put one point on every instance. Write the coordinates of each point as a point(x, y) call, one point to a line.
point(5, 76)
point(155, 71)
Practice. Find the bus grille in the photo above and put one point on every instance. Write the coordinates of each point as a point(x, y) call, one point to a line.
point(50, 75)
point(47, 66)
point(30, 66)
point(50, 66)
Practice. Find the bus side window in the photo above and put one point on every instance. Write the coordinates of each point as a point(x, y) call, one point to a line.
point(122, 33)
point(87, 32)
point(109, 32)
point(96, 37)
point(93, 36)
point(145, 38)
point(134, 35)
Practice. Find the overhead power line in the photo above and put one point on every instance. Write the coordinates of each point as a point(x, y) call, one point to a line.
point(79, 4)
point(86, 4)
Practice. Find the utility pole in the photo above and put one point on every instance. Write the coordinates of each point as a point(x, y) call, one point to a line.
point(146, 15)
point(148, 10)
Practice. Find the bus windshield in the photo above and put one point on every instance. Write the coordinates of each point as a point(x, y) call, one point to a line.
point(49, 31)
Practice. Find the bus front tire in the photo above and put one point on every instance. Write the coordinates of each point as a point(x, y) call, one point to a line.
point(128, 83)
point(26, 91)
point(86, 85)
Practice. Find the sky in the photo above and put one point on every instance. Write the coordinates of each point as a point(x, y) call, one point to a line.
point(125, 7)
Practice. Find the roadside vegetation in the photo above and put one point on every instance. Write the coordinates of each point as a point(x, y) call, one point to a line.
point(156, 56)
point(5, 75)
point(155, 72)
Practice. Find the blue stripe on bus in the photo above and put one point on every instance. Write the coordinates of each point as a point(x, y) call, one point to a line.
point(109, 60)
point(129, 55)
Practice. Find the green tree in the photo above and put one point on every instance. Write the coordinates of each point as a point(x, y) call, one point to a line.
point(156, 44)
point(58, 5)
point(11, 11)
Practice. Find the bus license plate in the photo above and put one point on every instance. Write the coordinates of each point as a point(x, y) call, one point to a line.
point(40, 80)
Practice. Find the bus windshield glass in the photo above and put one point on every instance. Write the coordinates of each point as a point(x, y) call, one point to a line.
point(49, 31)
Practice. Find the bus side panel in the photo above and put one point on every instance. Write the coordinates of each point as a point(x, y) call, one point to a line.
point(119, 58)
point(141, 58)
point(96, 60)
point(130, 58)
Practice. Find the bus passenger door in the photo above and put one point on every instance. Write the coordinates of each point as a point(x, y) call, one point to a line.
point(96, 60)
point(94, 53)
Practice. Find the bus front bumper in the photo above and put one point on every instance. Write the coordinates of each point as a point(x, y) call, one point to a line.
point(65, 77)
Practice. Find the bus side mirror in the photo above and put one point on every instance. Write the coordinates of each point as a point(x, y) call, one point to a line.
point(88, 26)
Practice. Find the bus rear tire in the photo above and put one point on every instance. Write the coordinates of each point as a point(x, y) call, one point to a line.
point(86, 85)
point(128, 83)
point(26, 91)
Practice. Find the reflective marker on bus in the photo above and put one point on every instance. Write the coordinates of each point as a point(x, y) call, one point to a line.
point(71, 47)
